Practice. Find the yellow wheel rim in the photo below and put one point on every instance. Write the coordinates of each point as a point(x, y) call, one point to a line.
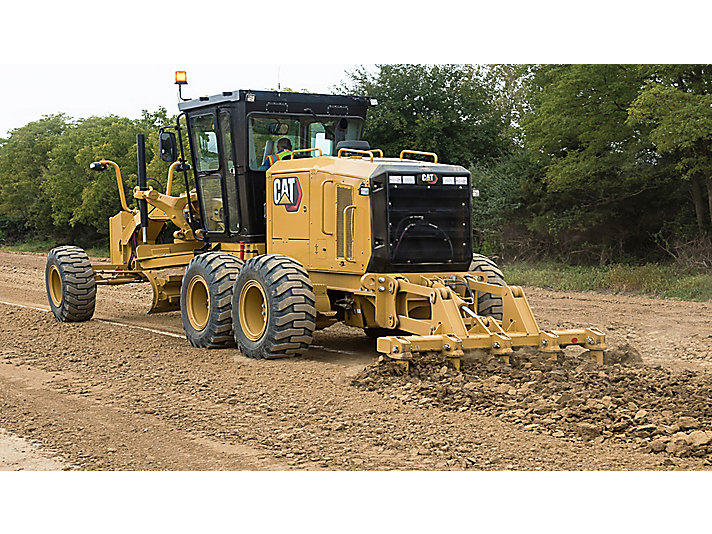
point(198, 302)
point(253, 310)
point(55, 286)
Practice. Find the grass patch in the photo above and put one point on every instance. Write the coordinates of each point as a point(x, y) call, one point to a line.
point(652, 279)
point(44, 246)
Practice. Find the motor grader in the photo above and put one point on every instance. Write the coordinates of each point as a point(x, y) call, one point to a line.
point(334, 232)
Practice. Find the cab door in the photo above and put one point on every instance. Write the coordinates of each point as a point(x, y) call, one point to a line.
point(227, 148)
point(212, 147)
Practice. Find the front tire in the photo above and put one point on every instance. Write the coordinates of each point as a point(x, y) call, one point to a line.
point(273, 308)
point(70, 284)
point(206, 297)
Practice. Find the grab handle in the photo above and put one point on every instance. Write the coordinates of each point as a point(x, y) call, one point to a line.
point(365, 152)
point(304, 150)
point(323, 207)
point(419, 153)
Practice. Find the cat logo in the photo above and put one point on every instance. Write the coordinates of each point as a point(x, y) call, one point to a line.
point(287, 192)
point(430, 178)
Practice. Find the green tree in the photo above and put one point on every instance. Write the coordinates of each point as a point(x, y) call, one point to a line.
point(79, 195)
point(676, 105)
point(508, 84)
point(602, 188)
point(446, 109)
point(498, 209)
point(24, 158)
point(46, 187)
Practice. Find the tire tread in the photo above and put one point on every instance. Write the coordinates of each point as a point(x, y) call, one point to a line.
point(292, 315)
point(78, 284)
point(488, 304)
point(219, 269)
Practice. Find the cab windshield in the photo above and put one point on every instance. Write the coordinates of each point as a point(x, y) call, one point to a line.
point(266, 131)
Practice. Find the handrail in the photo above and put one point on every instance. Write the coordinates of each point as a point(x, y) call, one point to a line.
point(308, 150)
point(119, 183)
point(169, 183)
point(419, 153)
point(377, 150)
point(353, 222)
point(356, 151)
point(323, 207)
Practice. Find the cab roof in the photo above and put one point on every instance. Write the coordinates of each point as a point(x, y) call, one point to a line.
point(263, 99)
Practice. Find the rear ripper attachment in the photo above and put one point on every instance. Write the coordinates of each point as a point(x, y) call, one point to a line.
point(442, 311)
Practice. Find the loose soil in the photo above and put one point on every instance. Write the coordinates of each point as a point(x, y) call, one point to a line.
point(126, 391)
point(17, 454)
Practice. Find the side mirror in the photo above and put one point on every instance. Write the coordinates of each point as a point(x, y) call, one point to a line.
point(168, 146)
point(97, 166)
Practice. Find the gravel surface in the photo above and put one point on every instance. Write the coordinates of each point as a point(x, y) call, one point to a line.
point(654, 409)
point(110, 394)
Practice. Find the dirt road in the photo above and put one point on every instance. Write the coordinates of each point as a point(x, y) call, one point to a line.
point(126, 391)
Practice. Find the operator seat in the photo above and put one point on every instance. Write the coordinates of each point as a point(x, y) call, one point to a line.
point(353, 145)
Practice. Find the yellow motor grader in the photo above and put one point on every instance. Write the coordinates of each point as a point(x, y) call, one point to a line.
point(274, 248)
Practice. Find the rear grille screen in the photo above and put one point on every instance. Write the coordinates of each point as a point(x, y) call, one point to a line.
point(428, 224)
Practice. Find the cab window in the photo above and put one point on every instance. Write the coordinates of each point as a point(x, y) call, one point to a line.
point(230, 177)
point(211, 190)
point(302, 131)
point(264, 134)
point(205, 142)
point(326, 133)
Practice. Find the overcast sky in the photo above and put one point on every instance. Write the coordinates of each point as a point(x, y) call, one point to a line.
point(84, 57)
point(30, 91)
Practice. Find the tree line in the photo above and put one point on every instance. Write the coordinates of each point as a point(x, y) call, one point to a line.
point(46, 188)
point(582, 163)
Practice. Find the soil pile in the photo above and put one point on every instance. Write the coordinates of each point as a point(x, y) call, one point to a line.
point(656, 409)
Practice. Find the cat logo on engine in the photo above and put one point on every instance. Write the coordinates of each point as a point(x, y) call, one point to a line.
point(287, 192)
point(429, 178)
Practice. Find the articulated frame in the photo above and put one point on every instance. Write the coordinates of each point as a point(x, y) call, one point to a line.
point(453, 325)
point(152, 262)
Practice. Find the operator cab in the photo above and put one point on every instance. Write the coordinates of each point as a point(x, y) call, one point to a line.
point(231, 136)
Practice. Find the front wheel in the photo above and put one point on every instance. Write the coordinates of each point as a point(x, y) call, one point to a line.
point(71, 288)
point(273, 308)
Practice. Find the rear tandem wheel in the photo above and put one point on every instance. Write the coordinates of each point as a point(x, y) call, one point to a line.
point(205, 299)
point(273, 308)
point(488, 304)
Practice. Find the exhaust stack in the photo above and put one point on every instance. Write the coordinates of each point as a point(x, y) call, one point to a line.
point(142, 183)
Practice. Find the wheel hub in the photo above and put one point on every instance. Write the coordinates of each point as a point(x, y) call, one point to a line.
point(253, 310)
point(55, 286)
point(198, 300)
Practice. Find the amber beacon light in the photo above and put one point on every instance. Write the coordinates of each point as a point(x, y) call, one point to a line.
point(181, 77)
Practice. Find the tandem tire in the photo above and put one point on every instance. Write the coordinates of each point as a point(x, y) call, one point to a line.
point(488, 304)
point(273, 308)
point(71, 288)
point(206, 297)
